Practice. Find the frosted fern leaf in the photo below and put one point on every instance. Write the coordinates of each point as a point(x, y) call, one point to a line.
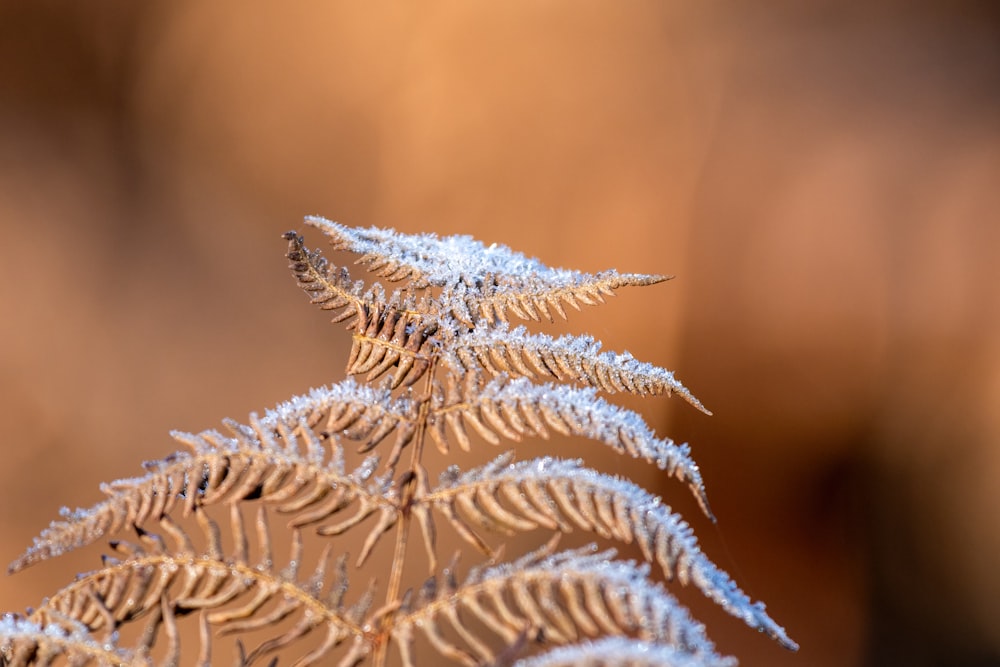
point(340, 473)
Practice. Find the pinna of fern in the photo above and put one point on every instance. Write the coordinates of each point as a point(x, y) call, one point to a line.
point(439, 361)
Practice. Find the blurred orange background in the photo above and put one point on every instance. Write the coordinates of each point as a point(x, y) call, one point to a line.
point(823, 179)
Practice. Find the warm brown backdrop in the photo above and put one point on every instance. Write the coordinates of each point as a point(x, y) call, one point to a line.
point(822, 177)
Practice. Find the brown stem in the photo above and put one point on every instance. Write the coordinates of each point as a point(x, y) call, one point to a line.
point(407, 487)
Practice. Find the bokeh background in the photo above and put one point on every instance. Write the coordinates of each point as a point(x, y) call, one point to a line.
point(823, 178)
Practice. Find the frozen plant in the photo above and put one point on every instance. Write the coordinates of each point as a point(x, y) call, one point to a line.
point(438, 365)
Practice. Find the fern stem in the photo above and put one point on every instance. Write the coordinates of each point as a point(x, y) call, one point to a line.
point(407, 487)
point(423, 412)
point(392, 595)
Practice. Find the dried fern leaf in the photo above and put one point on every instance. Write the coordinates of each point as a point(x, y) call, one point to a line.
point(485, 280)
point(561, 597)
point(25, 642)
point(386, 337)
point(278, 458)
point(384, 252)
point(569, 358)
point(447, 324)
point(513, 408)
point(622, 652)
point(388, 333)
point(346, 410)
point(536, 299)
point(329, 287)
point(161, 577)
point(560, 495)
point(426, 259)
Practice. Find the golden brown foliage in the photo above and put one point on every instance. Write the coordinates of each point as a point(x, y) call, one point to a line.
point(438, 361)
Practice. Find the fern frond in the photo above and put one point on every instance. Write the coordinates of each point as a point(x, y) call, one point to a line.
point(559, 495)
point(621, 652)
point(387, 332)
point(569, 358)
point(24, 642)
point(484, 281)
point(272, 459)
point(559, 598)
point(515, 408)
point(385, 253)
point(444, 323)
point(387, 337)
point(532, 300)
point(157, 580)
point(329, 287)
point(427, 259)
point(345, 410)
